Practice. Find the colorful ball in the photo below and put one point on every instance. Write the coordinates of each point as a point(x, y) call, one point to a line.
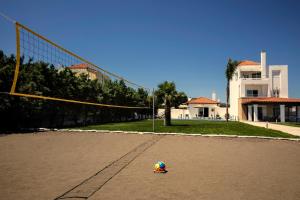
point(157, 167)
point(160, 166)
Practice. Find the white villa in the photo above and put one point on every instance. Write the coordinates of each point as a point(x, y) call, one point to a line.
point(259, 92)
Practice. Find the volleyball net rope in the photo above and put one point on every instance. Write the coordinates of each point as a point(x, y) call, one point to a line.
point(36, 49)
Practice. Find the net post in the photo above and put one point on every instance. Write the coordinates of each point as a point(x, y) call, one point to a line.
point(153, 112)
point(13, 87)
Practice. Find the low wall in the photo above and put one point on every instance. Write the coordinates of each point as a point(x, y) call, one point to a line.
point(175, 113)
point(185, 113)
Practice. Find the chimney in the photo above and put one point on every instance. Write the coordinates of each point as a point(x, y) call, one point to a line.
point(263, 63)
point(214, 96)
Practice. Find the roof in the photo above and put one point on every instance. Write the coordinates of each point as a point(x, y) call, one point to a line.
point(83, 66)
point(247, 100)
point(79, 66)
point(248, 62)
point(201, 100)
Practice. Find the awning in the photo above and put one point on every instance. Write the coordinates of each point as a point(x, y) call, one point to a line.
point(248, 100)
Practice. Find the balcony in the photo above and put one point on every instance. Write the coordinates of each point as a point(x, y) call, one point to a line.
point(254, 80)
point(253, 95)
point(254, 91)
point(253, 76)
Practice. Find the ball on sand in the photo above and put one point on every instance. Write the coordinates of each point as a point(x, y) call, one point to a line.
point(160, 167)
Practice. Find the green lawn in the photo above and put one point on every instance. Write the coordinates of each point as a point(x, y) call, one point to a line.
point(295, 124)
point(192, 126)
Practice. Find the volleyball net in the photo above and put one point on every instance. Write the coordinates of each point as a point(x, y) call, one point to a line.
point(46, 70)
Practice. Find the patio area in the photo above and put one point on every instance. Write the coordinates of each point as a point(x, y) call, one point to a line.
point(270, 109)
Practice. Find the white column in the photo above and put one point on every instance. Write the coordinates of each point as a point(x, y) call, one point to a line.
point(255, 113)
point(242, 90)
point(264, 111)
point(263, 63)
point(249, 112)
point(282, 113)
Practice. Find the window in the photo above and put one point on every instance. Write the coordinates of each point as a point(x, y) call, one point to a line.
point(252, 93)
point(203, 112)
point(251, 75)
point(256, 75)
point(290, 113)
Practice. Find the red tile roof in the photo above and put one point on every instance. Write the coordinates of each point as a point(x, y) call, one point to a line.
point(83, 66)
point(247, 100)
point(248, 62)
point(79, 66)
point(201, 100)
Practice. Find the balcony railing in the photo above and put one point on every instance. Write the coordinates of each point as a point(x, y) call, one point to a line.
point(252, 95)
point(254, 77)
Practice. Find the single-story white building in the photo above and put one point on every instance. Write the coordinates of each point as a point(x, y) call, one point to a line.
point(198, 108)
point(205, 108)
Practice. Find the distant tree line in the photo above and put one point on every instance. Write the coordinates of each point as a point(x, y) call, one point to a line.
point(41, 78)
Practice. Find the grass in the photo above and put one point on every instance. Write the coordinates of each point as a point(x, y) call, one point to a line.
point(192, 126)
point(295, 124)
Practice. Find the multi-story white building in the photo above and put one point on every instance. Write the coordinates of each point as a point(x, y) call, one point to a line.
point(259, 92)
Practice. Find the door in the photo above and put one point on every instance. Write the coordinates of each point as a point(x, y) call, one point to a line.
point(205, 112)
point(200, 112)
point(260, 113)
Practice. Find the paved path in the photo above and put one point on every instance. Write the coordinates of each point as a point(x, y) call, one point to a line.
point(287, 129)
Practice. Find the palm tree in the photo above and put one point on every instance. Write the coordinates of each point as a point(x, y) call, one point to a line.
point(168, 96)
point(179, 99)
point(229, 72)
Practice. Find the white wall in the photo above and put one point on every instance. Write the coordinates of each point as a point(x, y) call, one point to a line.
point(283, 79)
point(160, 112)
point(221, 111)
point(235, 92)
point(262, 90)
point(175, 113)
point(194, 109)
point(192, 112)
point(263, 64)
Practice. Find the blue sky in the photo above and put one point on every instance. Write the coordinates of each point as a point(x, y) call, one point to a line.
point(148, 42)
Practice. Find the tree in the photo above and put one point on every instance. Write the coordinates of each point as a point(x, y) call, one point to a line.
point(229, 72)
point(44, 79)
point(179, 99)
point(168, 96)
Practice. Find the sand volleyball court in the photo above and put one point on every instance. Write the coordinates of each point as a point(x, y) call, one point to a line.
point(85, 165)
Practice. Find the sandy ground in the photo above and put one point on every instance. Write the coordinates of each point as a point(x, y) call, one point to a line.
point(45, 166)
